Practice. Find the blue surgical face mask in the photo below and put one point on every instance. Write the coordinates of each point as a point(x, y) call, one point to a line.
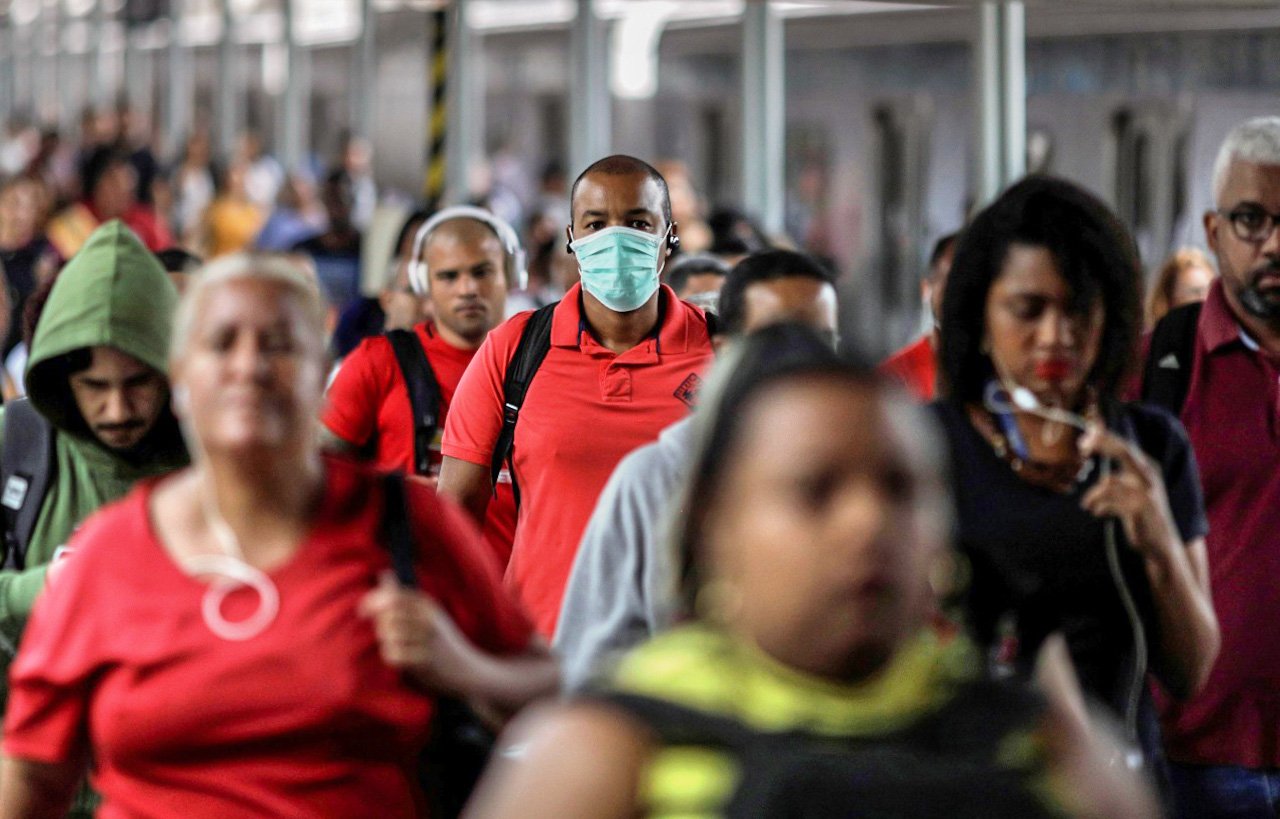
point(620, 266)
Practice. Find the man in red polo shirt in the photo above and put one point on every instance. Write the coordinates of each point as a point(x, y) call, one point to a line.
point(466, 259)
point(916, 365)
point(1224, 742)
point(625, 361)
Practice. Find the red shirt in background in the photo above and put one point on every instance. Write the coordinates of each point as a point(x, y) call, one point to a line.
point(304, 719)
point(1232, 415)
point(369, 401)
point(916, 367)
point(586, 408)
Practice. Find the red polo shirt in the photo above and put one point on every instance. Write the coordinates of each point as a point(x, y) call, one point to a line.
point(915, 366)
point(369, 401)
point(1232, 415)
point(586, 408)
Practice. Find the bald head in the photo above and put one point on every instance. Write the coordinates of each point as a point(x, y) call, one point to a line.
point(462, 230)
point(467, 284)
point(624, 165)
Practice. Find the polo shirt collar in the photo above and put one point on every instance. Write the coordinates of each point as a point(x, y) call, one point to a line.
point(1218, 325)
point(568, 322)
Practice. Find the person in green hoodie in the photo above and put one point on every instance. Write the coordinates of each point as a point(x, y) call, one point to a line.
point(97, 378)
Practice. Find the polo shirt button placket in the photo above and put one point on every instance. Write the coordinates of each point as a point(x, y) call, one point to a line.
point(615, 383)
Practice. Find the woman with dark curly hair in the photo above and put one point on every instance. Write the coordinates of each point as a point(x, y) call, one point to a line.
point(1081, 516)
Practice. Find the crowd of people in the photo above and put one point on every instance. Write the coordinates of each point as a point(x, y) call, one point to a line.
point(619, 525)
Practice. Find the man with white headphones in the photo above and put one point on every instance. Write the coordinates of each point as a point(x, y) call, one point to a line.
point(390, 398)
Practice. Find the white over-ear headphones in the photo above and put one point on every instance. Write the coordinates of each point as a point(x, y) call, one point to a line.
point(420, 276)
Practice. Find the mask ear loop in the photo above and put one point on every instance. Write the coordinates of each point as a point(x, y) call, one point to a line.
point(665, 244)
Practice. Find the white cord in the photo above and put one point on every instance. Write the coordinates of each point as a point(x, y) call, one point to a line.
point(231, 572)
point(1134, 758)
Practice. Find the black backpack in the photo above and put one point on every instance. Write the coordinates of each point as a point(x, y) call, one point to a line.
point(1166, 375)
point(26, 467)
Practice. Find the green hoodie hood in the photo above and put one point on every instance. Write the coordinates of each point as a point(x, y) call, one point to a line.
point(113, 293)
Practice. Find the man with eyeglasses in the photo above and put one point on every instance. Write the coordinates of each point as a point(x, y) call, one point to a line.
point(1224, 742)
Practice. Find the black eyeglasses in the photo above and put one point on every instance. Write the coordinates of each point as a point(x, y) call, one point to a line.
point(1251, 223)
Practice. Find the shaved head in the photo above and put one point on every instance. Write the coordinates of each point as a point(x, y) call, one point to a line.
point(623, 165)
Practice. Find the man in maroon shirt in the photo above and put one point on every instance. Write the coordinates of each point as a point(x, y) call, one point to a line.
point(1224, 743)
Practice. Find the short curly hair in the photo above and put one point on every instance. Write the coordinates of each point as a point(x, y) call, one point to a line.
point(1094, 253)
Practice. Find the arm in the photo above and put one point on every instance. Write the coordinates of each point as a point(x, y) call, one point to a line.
point(331, 441)
point(578, 760)
point(415, 634)
point(18, 593)
point(1085, 777)
point(469, 485)
point(1135, 494)
point(37, 789)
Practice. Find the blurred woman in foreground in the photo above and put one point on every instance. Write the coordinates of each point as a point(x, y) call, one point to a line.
point(808, 681)
point(220, 644)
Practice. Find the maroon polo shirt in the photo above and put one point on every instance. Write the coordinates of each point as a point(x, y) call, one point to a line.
point(1232, 415)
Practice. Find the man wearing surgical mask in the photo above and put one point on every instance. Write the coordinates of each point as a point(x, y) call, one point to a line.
point(625, 361)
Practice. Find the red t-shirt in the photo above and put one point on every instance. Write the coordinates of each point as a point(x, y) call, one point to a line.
point(1232, 416)
point(369, 401)
point(305, 719)
point(586, 408)
point(916, 367)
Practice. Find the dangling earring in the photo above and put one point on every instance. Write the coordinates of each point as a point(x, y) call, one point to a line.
point(181, 399)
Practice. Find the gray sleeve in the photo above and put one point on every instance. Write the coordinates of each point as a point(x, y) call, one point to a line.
point(606, 608)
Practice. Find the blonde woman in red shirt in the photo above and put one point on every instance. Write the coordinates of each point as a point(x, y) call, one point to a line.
point(225, 641)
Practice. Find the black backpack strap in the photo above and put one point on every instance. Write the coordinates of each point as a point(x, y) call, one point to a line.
point(1166, 376)
point(424, 394)
point(460, 744)
point(713, 323)
point(26, 464)
point(534, 344)
point(395, 530)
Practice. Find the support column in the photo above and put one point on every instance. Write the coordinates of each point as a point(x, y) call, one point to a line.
point(364, 73)
point(590, 125)
point(764, 115)
point(1001, 82)
point(433, 186)
point(465, 105)
point(180, 86)
point(9, 67)
point(50, 107)
point(297, 84)
point(227, 90)
point(99, 92)
point(135, 84)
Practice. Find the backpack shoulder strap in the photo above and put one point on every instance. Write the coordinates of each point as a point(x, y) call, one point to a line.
point(25, 467)
point(396, 533)
point(1166, 376)
point(535, 343)
point(713, 323)
point(424, 394)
